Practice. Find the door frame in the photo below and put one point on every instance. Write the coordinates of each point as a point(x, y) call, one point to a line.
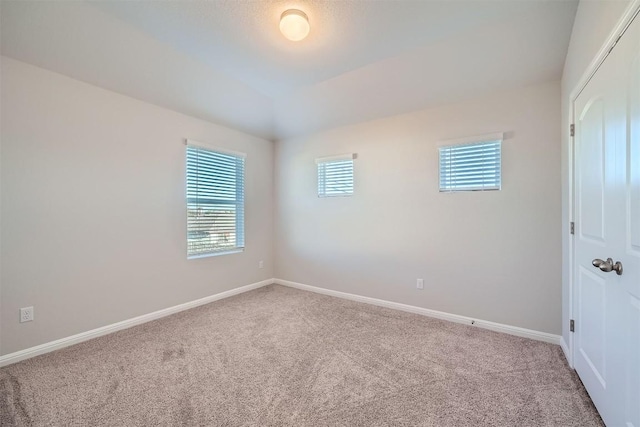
point(629, 14)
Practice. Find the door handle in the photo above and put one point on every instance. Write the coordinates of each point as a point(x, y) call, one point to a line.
point(608, 265)
point(605, 266)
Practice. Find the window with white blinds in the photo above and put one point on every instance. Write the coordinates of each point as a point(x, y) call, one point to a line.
point(335, 175)
point(471, 167)
point(215, 201)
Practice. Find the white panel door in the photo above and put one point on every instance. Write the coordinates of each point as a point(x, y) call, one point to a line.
point(607, 201)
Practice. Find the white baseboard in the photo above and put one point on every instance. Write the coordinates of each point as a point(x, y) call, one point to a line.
point(10, 358)
point(493, 326)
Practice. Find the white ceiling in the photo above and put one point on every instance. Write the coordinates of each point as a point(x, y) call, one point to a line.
point(226, 61)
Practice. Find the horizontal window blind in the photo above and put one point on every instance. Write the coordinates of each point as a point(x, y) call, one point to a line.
point(335, 176)
point(215, 201)
point(471, 167)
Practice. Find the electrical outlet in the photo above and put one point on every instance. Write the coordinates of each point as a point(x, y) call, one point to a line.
point(420, 284)
point(26, 314)
point(260, 264)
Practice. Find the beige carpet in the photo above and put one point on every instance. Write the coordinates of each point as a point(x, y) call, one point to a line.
point(282, 357)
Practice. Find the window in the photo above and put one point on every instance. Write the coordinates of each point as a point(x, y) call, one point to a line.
point(215, 201)
point(471, 167)
point(335, 175)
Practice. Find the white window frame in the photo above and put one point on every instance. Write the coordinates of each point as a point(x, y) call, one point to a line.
point(321, 165)
point(470, 141)
point(239, 201)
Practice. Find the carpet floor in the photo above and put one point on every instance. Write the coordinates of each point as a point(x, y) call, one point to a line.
point(278, 356)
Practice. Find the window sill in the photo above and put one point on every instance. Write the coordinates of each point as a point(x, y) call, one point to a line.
point(233, 251)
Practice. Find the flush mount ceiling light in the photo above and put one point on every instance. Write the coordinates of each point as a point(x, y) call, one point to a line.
point(294, 24)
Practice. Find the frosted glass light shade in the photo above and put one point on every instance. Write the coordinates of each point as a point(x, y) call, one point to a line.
point(294, 24)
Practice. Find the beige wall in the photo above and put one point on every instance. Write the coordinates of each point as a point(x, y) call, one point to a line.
point(493, 256)
point(93, 215)
point(595, 20)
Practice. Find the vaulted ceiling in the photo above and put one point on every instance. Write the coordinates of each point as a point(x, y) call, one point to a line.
point(226, 61)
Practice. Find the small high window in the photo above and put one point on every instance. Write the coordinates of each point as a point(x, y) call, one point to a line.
point(335, 175)
point(471, 166)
